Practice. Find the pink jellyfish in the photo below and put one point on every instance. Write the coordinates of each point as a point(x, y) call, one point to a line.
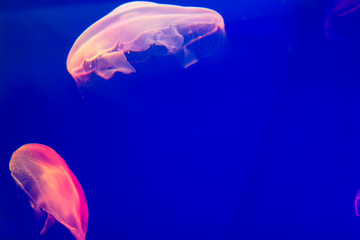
point(51, 187)
point(357, 203)
point(339, 8)
point(135, 27)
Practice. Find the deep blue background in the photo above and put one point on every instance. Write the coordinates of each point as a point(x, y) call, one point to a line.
point(262, 144)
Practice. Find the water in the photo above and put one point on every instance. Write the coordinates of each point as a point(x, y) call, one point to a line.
point(262, 144)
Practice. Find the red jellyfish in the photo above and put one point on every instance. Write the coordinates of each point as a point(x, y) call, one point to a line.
point(51, 187)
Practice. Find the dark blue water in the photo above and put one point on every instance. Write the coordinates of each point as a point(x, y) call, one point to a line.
point(261, 144)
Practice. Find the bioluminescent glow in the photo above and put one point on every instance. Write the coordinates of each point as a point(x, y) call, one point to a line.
point(51, 187)
point(339, 8)
point(135, 27)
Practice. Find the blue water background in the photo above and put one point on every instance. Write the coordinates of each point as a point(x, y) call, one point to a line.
point(261, 144)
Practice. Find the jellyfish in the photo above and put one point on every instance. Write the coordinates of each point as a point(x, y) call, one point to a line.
point(339, 9)
point(357, 203)
point(135, 27)
point(51, 187)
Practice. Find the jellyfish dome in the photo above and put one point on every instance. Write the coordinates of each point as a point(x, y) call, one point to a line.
point(357, 203)
point(51, 187)
point(342, 19)
point(135, 27)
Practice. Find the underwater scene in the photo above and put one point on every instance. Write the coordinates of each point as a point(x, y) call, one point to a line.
point(180, 119)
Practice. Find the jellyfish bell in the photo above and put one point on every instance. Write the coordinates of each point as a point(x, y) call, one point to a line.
point(342, 19)
point(108, 45)
point(357, 203)
point(51, 187)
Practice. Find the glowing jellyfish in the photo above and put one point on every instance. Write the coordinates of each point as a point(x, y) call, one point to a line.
point(51, 187)
point(357, 203)
point(135, 27)
point(338, 9)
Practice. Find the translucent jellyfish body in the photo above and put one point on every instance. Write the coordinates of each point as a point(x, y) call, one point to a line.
point(357, 203)
point(51, 187)
point(135, 27)
point(338, 21)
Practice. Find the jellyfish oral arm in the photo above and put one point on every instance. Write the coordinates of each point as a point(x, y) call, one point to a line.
point(50, 220)
point(112, 62)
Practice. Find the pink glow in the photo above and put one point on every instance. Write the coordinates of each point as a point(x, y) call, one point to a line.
point(135, 27)
point(340, 8)
point(51, 187)
point(357, 203)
